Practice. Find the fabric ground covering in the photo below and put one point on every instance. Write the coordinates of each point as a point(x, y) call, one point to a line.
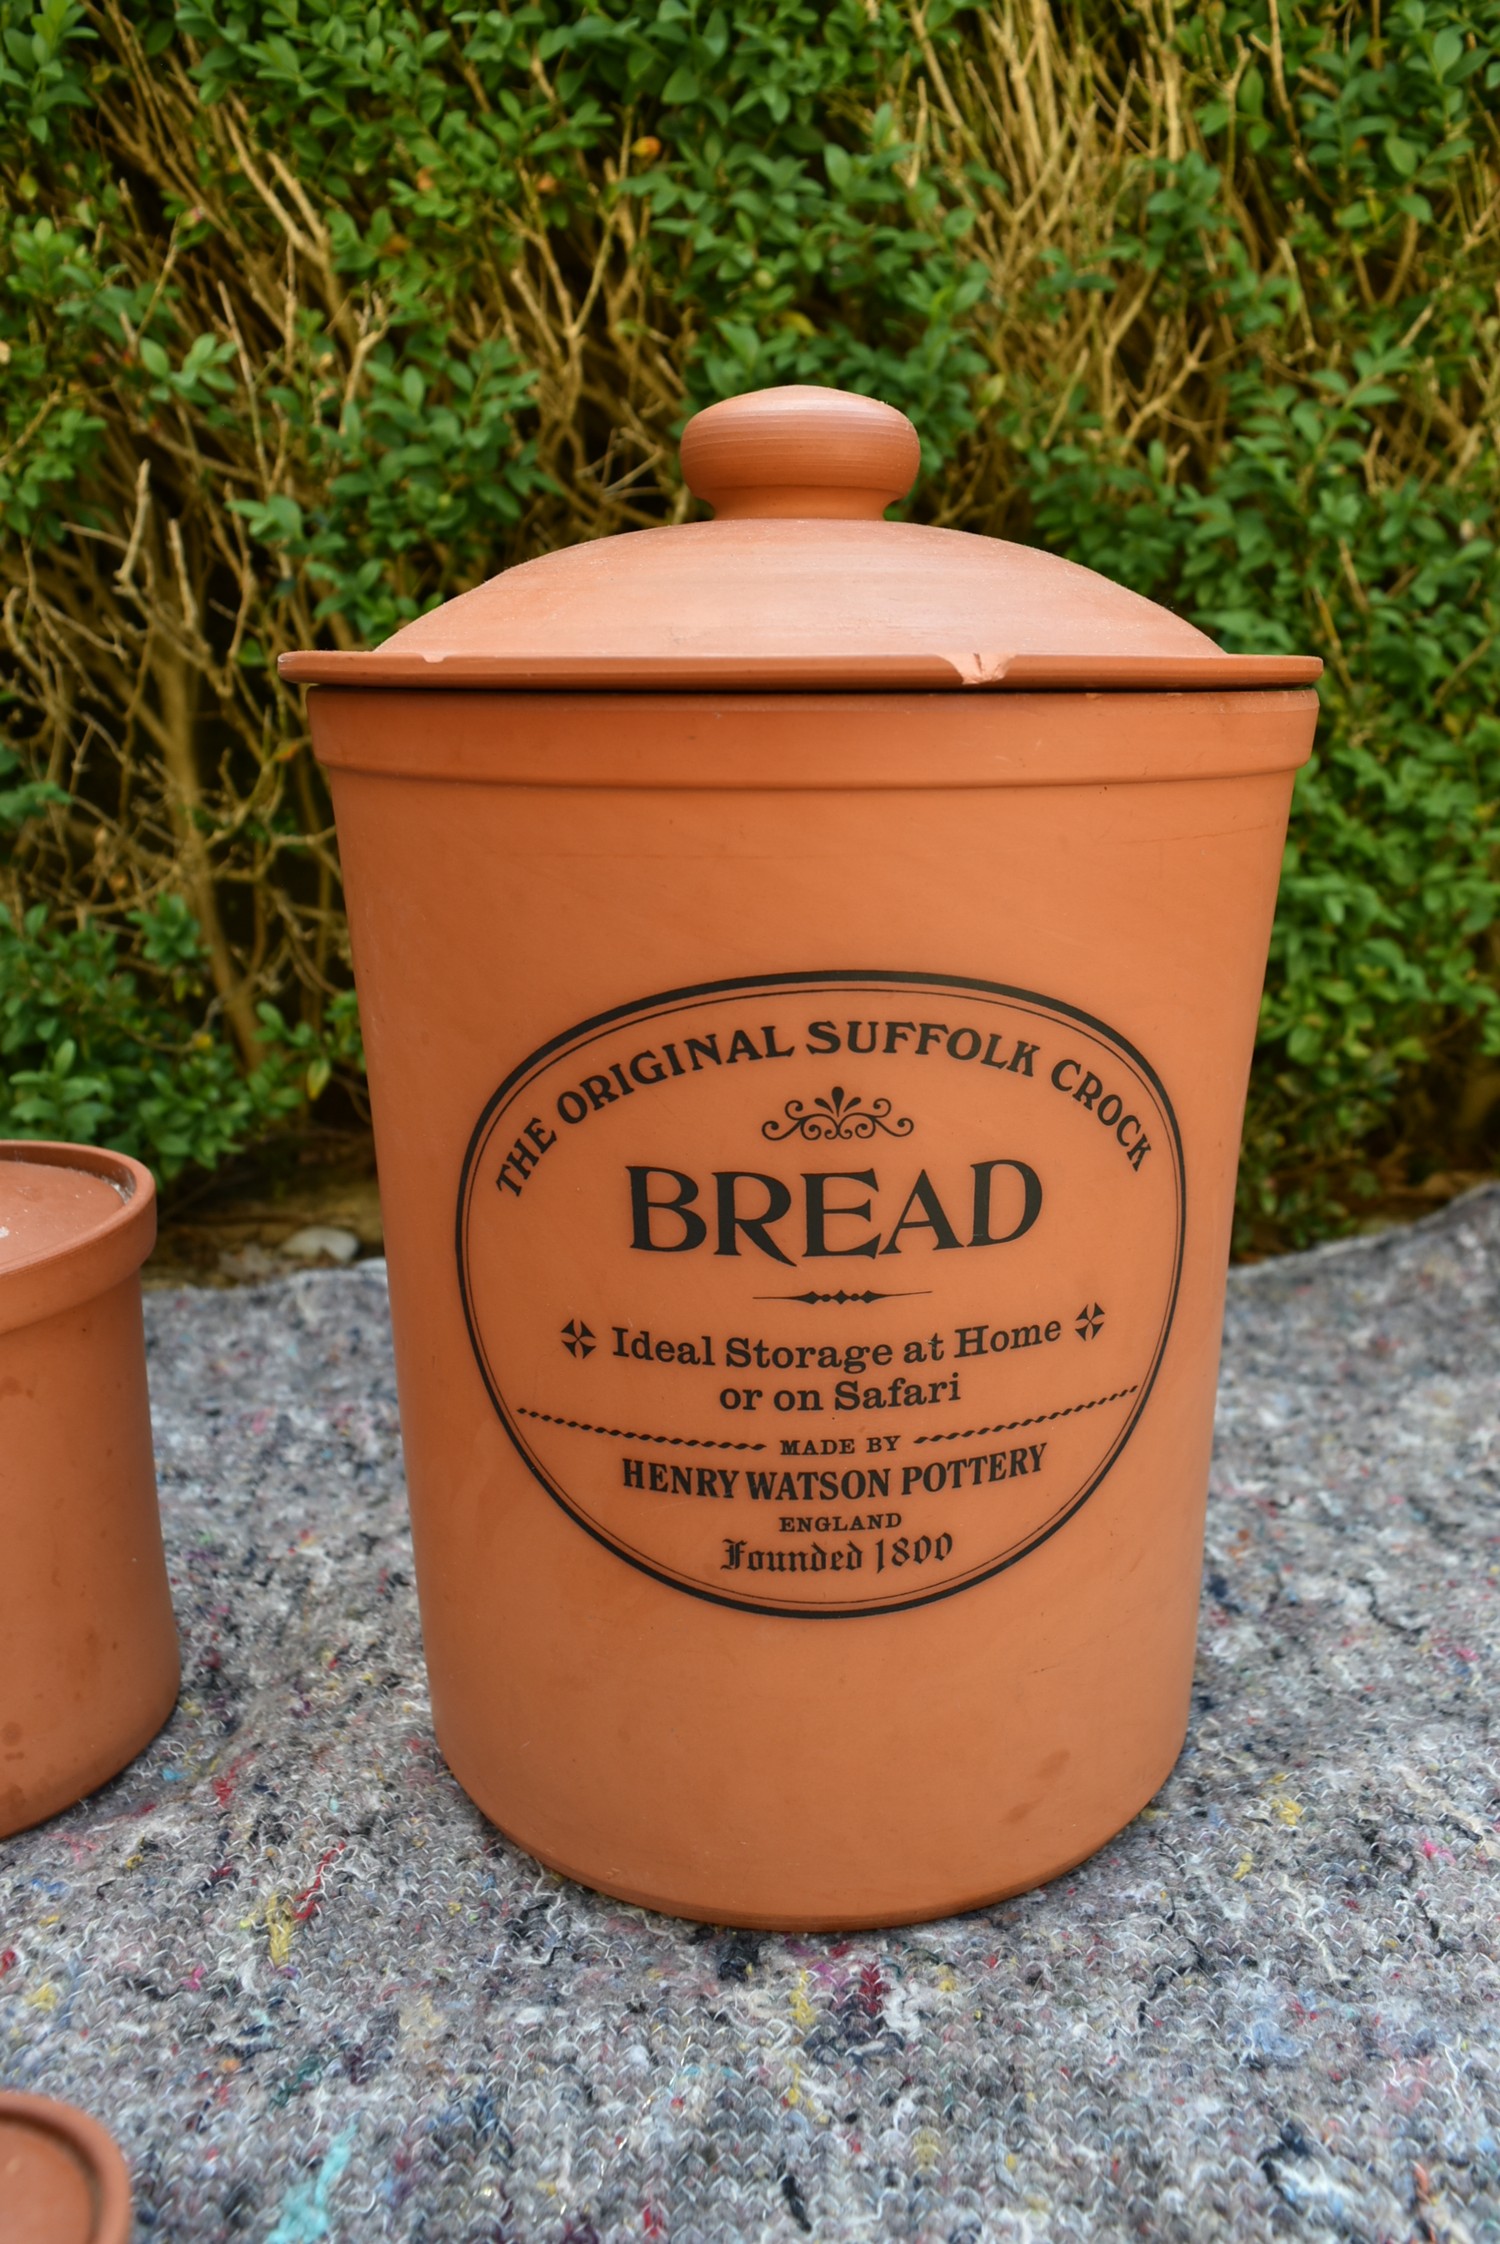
point(316, 1996)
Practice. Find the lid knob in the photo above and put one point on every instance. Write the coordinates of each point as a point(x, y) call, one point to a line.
point(800, 451)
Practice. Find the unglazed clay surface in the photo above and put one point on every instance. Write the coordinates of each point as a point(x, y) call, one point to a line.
point(807, 1207)
point(62, 2177)
point(807, 1129)
point(46, 1206)
point(799, 580)
point(88, 1647)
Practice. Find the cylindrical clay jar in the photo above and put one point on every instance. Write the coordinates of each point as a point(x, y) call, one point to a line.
point(88, 1647)
point(809, 967)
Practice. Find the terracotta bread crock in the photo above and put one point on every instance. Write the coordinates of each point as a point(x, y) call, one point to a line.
point(88, 1648)
point(809, 966)
point(62, 2178)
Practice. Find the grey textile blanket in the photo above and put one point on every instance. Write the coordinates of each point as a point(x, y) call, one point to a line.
point(315, 1995)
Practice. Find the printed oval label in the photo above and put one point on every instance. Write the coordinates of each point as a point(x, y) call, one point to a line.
point(824, 1294)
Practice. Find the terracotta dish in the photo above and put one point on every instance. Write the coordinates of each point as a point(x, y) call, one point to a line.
point(62, 2179)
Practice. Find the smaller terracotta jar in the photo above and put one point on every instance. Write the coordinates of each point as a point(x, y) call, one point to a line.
point(62, 2178)
point(88, 1647)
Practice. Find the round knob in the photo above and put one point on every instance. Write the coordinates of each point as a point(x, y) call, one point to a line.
point(800, 451)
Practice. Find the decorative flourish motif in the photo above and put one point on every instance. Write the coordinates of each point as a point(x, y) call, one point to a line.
point(843, 1299)
point(842, 1114)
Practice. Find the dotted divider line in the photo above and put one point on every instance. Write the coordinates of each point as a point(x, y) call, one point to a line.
point(624, 1433)
point(1014, 1425)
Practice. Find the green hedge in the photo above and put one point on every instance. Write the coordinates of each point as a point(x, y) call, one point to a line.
point(312, 313)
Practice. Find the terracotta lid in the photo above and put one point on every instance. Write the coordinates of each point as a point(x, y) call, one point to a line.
point(62, 2179)
point(799, 581)
point(74, 1220)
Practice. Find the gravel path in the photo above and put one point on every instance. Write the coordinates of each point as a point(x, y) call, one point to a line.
point(317, 1997)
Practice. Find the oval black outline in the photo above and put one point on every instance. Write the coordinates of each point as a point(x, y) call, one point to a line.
point(838, 977)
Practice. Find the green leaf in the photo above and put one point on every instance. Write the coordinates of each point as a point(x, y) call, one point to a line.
point(1447, 50)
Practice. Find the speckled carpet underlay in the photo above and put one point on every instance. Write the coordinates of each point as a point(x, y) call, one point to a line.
point(316, 1996)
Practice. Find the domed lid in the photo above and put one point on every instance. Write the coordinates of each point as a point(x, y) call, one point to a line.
point(799, 581)
point(62, 2179)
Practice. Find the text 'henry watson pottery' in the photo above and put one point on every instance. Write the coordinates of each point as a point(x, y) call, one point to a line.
point(809, 966)
point(88, 1647)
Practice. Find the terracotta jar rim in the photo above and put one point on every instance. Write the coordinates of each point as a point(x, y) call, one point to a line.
point(103, 1251)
